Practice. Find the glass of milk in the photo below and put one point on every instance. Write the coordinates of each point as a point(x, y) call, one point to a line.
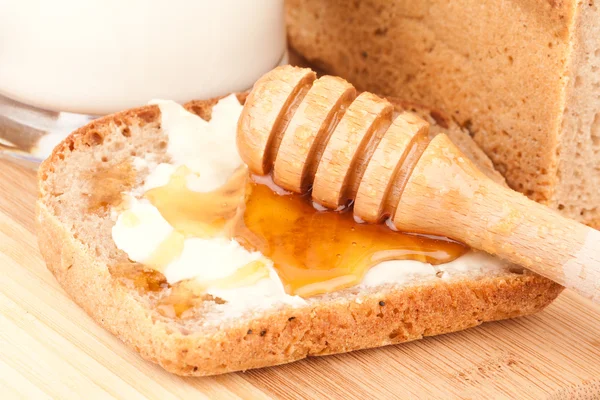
point(65, 62)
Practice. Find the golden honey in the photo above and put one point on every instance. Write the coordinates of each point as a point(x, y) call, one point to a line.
point(169, 250)
point(108, 184)
point(199, 214)
point(316, 251)
point(141, 277)
point(185, 295)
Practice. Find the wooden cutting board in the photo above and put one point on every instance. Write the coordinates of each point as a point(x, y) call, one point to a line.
point(49, 348)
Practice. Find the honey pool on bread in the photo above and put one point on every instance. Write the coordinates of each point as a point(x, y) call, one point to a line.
point(204, 228)
point(313, 251)
point(317, 251)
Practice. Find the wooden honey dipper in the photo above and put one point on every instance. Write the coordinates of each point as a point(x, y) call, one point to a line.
point(317, 133)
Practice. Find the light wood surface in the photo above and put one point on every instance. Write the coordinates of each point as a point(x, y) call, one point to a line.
point(49, 348)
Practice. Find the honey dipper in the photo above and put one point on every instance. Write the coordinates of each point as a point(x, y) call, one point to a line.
point(319, 134)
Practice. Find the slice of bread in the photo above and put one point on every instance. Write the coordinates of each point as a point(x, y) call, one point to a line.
point(74, 225)
point(522, 75)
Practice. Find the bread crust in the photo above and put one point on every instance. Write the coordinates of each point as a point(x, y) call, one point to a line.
point(388, 316)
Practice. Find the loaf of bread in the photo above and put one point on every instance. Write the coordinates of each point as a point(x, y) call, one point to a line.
point(522, 76)
point(74, 226)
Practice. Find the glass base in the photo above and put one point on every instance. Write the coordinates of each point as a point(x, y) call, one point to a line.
point(28, 134)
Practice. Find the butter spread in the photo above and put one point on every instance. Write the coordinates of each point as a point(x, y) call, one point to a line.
point(398, 272)
point(208, 152)
point(473, 262)
point(140, 230)
point(207, 148)
point(405, 271)
point(159, 176)
point(209, 259)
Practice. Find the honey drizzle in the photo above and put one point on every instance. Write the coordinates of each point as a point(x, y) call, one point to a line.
point(166, 252)
point(108, 182)
point(199, 214)
point(141, 277)
point(175, 300)
point(316, 251)
point(185, 295)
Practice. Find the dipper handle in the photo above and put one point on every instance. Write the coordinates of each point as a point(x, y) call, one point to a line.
point(317, 133)
point(447, 195)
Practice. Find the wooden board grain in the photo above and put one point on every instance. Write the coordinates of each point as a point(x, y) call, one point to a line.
point(49, 348)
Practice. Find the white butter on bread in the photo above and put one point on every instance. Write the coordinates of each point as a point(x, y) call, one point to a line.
point(140, 229)
point(207, 148)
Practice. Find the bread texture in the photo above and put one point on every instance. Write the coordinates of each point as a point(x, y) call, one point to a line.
point(74, 227)
point(521, 75)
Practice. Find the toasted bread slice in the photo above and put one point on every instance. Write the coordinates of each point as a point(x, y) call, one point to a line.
point(74, 225)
